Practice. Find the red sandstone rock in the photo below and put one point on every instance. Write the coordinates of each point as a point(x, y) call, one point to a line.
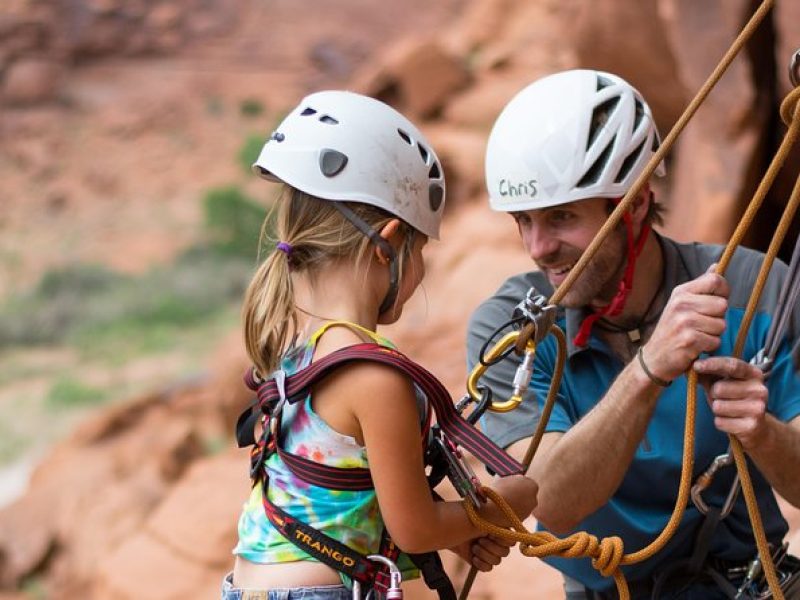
point(31, 81)
point(416, 76)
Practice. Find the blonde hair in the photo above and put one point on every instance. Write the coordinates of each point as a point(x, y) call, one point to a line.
point(317, 234)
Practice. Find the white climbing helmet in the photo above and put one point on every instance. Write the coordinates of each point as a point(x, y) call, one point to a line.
point(343, 146)
point(569, 136)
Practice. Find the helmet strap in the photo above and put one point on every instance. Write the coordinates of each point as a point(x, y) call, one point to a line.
point(386, 247)
point(617, 303)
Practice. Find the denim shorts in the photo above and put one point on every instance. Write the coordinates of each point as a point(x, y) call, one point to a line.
point(319, 592)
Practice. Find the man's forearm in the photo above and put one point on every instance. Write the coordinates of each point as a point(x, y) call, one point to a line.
point(581, 470)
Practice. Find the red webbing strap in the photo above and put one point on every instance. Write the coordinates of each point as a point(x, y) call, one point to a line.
point(390, 550)
point(452, 423)
point(352, 479)
point(617, 303)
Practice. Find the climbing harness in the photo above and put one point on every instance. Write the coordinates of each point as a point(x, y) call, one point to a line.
point(451, 433)
point(607, 554)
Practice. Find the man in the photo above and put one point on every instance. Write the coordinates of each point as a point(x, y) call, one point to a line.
point(561, 154)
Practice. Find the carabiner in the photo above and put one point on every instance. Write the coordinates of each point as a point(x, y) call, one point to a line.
point(520, 383)
point(394, 591)
point(705, 479)
point(794, 69)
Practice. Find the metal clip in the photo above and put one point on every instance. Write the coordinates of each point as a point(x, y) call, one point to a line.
point(705, 479)
point(394, 591)
point(523, 374)
point(762, 362)
point(753, 572)
point(280, 383)
point(481, 405)
point(534, 309)
point(461, 475)
point(794, 69)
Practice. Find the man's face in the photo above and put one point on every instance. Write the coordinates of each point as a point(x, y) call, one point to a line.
point(556, 237)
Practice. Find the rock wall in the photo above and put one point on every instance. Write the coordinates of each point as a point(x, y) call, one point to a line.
point(41, 41)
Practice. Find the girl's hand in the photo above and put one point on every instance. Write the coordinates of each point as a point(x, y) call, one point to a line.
point(484, 553)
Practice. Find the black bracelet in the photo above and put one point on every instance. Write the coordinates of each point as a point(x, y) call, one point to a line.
point(654, 378)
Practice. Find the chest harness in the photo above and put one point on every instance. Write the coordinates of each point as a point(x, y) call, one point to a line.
point(442, 443)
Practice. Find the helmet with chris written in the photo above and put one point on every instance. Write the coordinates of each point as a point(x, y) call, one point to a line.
point(566, 137)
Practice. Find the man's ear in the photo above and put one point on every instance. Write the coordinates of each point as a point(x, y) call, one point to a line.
point(390, 232)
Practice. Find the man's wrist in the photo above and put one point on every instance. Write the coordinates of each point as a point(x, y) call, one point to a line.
point(657, 380)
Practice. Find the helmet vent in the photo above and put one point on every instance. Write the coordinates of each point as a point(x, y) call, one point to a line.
point(423, 152)
point(434, 173)
point(603, 82)
point(328, 119)
point(435, 196)
point(592, 176)
point(600, 117)
point(628, 163)
point(405, 136)
point(308, 111)
point(639, 115)
point(656, 143)
point(331, 162)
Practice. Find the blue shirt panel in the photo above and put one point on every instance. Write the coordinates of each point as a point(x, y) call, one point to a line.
point(655, 471)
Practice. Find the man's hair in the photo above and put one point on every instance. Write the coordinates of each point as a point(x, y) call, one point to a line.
point(655, 212)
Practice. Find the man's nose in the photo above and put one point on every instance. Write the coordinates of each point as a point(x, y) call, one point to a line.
point(539, 242)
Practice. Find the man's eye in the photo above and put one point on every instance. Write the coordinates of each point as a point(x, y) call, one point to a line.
point(559, 216)
point(522, 219)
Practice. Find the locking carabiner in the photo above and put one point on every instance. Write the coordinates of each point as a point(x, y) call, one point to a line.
point(794, 69)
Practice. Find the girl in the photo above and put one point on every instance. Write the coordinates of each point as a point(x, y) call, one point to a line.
point(364, 192)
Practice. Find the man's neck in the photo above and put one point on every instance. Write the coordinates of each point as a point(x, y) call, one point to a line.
point(643, 302)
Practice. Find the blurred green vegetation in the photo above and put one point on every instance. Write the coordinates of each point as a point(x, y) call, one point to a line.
point(67, 393)
point(34, 588)
point(89, 306)
point(85, 335)
point(249, 151)
point(251, 107)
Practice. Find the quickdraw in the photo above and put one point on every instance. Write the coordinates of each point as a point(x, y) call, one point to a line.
point(607, 554)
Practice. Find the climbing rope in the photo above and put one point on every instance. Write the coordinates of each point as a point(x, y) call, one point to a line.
point(608, 554)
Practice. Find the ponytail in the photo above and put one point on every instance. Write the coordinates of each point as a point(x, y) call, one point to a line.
point(269, 316)
point(315, 233)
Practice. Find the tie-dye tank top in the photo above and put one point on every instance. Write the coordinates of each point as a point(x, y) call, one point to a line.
point(351, 517)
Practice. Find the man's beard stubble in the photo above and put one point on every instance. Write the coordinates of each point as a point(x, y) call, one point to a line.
point(599, 281)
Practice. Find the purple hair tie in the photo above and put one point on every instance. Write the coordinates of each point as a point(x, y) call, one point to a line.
point(285, 248)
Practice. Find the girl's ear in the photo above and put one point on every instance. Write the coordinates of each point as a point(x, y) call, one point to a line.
point(390, 233)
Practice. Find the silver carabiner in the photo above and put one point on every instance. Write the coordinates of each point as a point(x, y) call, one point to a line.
point(794, 69)
point(394, 591)
point(705, 479)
